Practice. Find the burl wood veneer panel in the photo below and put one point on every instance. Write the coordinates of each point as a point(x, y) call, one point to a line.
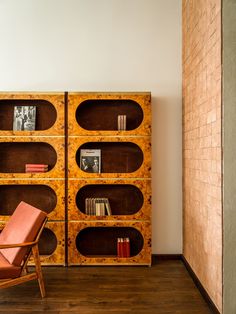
point(142, 258)
point(17, 151)
point(47, 195)
point(111, 159)
point(121, 194)
point(202, 152)
point(49, 111)
point(142, 99)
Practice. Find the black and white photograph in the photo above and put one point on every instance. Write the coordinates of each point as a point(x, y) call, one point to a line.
point(90, 160)
point(24, 118)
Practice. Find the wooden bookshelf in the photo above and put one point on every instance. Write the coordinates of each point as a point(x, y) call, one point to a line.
point(44, 145)
point(65, 124)
point(125, 177)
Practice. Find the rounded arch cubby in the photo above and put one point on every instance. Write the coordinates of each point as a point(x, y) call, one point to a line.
point(52, 244)
point(95, 243)
point(16, 152)
point(128, 199)
point(47, 118)
point(124, 157)
point(47, 195)
point(97, 113)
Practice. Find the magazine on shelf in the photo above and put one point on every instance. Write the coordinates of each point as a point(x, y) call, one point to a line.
point(90, 160)
point(24, 118)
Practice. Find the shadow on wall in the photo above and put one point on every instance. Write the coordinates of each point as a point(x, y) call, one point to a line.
point(167, 175)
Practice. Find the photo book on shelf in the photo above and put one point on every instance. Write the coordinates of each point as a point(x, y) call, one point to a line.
point(24, 118)
point(90, 160)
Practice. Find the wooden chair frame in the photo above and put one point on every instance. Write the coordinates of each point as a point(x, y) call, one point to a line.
point(25, 275)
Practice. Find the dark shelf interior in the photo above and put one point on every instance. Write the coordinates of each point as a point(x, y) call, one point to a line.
point(46, 114)
point(40, 196)
point(101, 114)
point(116, 157)
point(14, 156)
point(102, 241)
point(124, 199)
point(47, 242)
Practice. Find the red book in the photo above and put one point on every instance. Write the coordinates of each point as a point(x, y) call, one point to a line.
point(122, 251)
point(118, 247)
point(36, 165)
point(126, 247)
point(35, 169)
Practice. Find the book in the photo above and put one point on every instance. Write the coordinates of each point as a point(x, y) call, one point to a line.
point(90, 160)
point(121, 122)
point(108, 207)
point(126, 247)
point(36, 165)
point(24, 118)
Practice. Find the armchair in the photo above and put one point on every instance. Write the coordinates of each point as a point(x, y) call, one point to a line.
point(18, 240)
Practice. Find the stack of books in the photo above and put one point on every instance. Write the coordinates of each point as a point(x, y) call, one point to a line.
point(97, 206)
point(121, 122)
point(123, 247)
point(36, 168)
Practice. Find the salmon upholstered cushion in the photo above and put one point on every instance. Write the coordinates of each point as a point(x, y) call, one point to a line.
point(8, 270)
point(23, 226)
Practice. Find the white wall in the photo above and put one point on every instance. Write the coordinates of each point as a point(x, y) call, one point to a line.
point(107, 45)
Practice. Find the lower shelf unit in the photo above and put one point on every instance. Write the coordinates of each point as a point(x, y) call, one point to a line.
point(95, 243)
point(44, 194)
point(51, 244)
point(129, 199)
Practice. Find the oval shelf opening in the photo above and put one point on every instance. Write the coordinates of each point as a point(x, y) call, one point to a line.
point(102, 241)
point(40, 196)
point(102, 114)
point(15, 155)
point(124, 199)
point(116, 157)
point(46, 113)
point(47, 242)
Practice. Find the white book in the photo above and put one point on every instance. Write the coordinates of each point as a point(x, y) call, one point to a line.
point(90, 160)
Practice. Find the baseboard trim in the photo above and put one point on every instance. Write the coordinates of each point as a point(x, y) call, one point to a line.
point(156, 257)
point(200, 286)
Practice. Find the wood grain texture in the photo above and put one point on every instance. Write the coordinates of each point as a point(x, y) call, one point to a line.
point(74, 213)
point(58, 186)
point(143, 99)
point(142, 142)
point(75, 258)
point(56, 99)
point(56, 142)
point(164, 288)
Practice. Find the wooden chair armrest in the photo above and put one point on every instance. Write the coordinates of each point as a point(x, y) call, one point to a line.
point(10, 246)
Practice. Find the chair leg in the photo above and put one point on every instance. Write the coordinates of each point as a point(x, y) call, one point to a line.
point(38, 269)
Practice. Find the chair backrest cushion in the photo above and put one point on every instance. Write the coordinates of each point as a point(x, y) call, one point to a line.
point(23, 226)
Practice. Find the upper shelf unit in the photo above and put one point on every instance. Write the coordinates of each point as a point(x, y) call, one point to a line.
point(97, 113)
point(16, 152)
point(49, 117)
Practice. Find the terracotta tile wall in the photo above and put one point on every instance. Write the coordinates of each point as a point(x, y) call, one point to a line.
point(202, 142)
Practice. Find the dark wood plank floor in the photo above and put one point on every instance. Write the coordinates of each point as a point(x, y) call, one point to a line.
point(164, 288)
